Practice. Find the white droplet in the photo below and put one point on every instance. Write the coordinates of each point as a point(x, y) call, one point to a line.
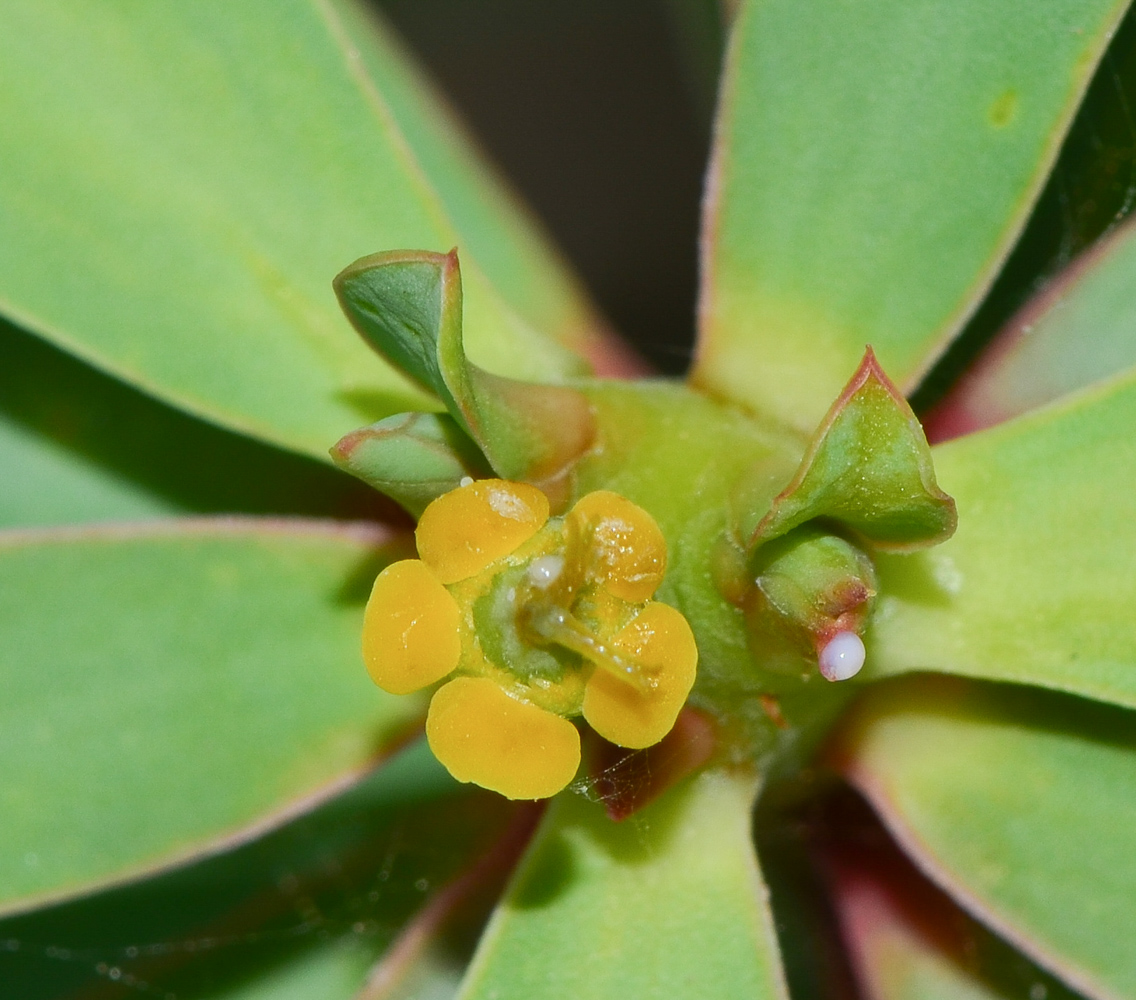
point(842, 657)
point(465, 481)
point(544, 571)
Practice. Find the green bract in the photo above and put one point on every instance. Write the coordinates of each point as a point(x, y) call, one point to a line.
point(201, 793)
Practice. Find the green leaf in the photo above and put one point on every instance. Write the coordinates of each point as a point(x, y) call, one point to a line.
point(493, 225)
point(1077, 332)
point(910, 955)
point(310, 905)
point(77, 446)
point(869, 468)
point(873, 166)
point(668, 903)
point(169, 689)
point(1022, 805)
point(1037, 583)
point(330, 971)
point(1088, 192)
point(905, 938)
point(181, 182)
point(408, 306)
point(412, 457)
point(895, 959)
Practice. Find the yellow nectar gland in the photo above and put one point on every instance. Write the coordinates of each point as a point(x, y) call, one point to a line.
point(411, 627)
point(629, 548)
point(660, 641)
point(465, 530)
point(537, 620)
point(482, 735)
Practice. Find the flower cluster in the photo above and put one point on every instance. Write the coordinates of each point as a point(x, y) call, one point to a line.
point(533, 619)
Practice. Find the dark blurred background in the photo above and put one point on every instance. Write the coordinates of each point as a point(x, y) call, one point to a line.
point(598, 112)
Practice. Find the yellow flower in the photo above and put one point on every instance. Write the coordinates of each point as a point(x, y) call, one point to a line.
point(539, 620)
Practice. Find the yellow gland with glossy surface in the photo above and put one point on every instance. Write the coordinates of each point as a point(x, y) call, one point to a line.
point(659, 641)
point(483, 735)
point(464, 531)
point(629, 550)
point(411, 629)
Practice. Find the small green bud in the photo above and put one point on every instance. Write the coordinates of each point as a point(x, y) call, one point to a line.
point(810, 586)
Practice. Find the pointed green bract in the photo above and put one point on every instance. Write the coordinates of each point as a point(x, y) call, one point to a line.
point(408, 305)
point(668, 903)
point(1036, 585)
point(868, 468)
point(1022, 805)
point(1077, 332)
point(168, 687)
point(413, 457)
point(233, 157)
point(873, 166)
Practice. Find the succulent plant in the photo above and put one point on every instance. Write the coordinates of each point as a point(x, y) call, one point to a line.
point(818, 708)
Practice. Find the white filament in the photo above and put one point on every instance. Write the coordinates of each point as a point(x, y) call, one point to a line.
point(842, 657)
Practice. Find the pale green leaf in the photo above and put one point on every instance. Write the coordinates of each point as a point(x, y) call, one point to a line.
point(169, 688)
point(1022, 804)
point(306, 908)
point(332, 971)
point(873, 165)
point(895, 959)
point(508, 244)
point(1080, 330)
point(1037, 584)
point(181, 183)
point(668, 903)
point(905, 938)
point(79, 446)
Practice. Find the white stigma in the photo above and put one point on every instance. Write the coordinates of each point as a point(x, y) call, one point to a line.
point(842, 657)
point(544, 571)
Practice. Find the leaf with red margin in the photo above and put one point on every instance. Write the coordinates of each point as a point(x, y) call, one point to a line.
point(873, 166)
point(906, 939)
point(1037, 584)
point(1021, 804)
point(1077, 332)
point(181, 182)
point(176, 688)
